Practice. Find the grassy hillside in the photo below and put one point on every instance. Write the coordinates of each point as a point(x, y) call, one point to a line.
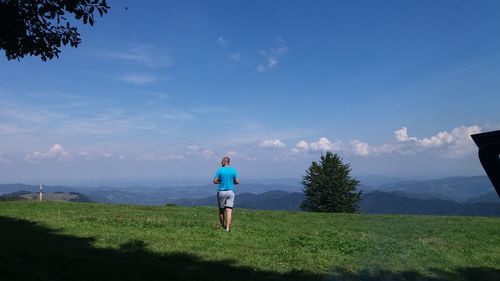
point(47, 196)
point(76, 241)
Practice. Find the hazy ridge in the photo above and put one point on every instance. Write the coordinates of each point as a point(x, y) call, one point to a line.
point(446, 196)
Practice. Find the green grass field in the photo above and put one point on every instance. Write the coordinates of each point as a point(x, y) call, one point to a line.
point(81, 241)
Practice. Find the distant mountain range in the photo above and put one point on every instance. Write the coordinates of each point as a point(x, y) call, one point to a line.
point(451, 196)
point(458, 189)
point(24, 195)
point(372, 203)
point(271, 200)
point(398, 203)
point(146, 195)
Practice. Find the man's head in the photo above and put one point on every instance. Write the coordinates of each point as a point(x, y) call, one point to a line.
point(225, 161)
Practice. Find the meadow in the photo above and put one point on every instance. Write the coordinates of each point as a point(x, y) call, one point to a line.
point(88, 241)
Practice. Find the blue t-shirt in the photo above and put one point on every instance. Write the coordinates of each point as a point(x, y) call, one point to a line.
point(226, 176)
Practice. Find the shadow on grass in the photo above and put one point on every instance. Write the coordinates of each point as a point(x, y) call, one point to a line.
point(29, 251)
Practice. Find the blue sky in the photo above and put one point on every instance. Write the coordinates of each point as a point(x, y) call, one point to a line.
point(163, 89)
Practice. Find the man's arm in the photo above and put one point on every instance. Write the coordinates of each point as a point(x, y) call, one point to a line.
point(216, 177)
point(236, 178)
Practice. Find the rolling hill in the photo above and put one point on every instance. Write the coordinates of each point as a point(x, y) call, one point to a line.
point(399, 203)
point(372, 203)
point(447, 196)
point(271, 200)
point(144, 195)
point(47, 196)
point(458, 189)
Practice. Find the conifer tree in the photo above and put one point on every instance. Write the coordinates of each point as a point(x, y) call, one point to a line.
point(328, 186)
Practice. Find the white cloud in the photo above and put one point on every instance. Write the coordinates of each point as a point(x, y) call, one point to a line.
point(12, 129)
point(457, 142)
point(45, 120)
point(238, 155)
point(140, 78)
point(198, 151)
point(4, 159)
point(193, 150)
point(89, 156)
point(401, 134)
point(223, 42)
point(446, 144)
point(271, 63)
point(193, 147)
point(173, 157)
point(462, 143)
point(105, 154)
point(388, 148)
point(149, 56)
point(154, 157)
point(252, 158)
point(56, 152)
point(235, 56)
point(323, 144)
point(280, 50)
point(301, 146)
point(360, 148)
point(84, 155)
point(147, 157)
point(274, 143)
point(272, 56)
point(439, 139)
point(207, 153)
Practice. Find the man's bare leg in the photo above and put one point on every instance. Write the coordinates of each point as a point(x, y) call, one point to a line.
point(221, 218)
point(229, 213)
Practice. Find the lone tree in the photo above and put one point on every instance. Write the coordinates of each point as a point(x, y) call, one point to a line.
point(328, 187)
point(40, 27)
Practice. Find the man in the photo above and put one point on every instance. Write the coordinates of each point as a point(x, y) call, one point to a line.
point(226, 177)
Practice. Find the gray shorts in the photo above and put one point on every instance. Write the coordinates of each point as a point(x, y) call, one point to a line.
point(225, 199)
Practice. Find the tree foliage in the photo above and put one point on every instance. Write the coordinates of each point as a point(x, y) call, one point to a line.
point(40, 27)
point(328, 186)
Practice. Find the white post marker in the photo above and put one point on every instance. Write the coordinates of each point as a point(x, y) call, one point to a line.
point(41, 192)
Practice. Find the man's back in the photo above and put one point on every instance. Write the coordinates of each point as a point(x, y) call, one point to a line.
point(226, 176)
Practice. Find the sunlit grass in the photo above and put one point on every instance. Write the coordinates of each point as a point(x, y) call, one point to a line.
point(281, 241)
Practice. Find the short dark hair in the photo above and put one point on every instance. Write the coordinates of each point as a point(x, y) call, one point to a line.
point(225, 158)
